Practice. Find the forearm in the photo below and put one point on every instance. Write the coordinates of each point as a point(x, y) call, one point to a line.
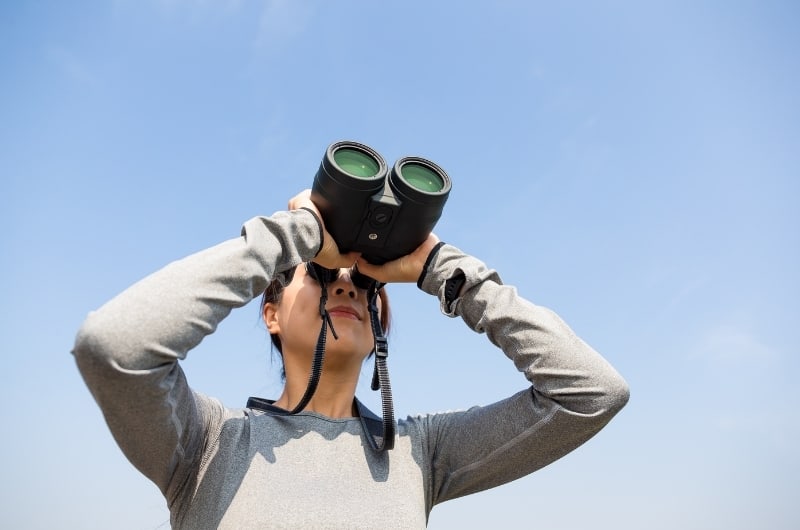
point(162, 317)
point(574, 391)
point(552, 357)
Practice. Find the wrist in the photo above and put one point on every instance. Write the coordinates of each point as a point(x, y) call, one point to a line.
point(428, 261)
point(319, 226)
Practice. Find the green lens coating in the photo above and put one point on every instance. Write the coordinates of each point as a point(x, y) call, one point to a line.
point(356, 163)
point(422, 177)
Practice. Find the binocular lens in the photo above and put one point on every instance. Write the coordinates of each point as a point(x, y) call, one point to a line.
point(422, 177)
point(369, 209)
point(356, 163)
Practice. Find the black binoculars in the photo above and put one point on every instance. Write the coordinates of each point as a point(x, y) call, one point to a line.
point(367, 208)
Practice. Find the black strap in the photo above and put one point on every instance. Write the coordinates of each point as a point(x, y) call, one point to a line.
point(370, 423)
point(380, 377)
point(431, 256)
point(267, 405)
point(380, 433)
point(373, 428)
point(319, 351)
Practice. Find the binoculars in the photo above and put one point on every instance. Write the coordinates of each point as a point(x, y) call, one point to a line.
point(369, 209)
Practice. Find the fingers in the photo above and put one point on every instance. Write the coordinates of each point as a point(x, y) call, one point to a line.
point(405, 269)
point(331, 258)
point(396, 271)
point(329, 255)
point(303, 200)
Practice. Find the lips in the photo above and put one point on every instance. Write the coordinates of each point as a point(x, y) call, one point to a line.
point(345, 312)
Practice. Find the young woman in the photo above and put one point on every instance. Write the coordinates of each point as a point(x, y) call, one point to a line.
point(260, 467)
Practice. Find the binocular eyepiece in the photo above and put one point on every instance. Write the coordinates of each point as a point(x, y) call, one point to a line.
point(369, 209)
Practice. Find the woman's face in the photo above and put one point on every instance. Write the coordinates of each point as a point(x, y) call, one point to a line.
point(296, 319)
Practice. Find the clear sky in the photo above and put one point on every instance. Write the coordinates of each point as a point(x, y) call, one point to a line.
point(633, 165)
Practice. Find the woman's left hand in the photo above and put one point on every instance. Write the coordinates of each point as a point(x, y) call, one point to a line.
point(407, 268)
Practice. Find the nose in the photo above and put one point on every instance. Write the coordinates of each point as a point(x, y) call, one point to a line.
point(344, 284)
point(350, 292)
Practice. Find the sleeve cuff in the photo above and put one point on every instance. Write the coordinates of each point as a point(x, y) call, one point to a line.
point(450, 274)
point(319, 225)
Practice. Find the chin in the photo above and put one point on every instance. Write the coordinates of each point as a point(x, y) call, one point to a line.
point(346, 347)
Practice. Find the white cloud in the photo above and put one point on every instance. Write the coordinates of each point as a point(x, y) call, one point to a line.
point(182, 7)
point(746, 385)
point(771, 427)
point(729, 343)
point(227, 5)
point(281, 20)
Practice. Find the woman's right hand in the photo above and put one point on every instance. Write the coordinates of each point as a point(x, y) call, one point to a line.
point(329, 255)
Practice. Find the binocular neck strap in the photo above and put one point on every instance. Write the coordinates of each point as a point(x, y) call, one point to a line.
point(319, 350)
point(380, 376)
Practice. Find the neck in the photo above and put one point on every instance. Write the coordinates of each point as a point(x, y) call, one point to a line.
point(334, 396)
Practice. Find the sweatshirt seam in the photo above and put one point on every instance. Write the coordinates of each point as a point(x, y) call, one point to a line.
point(505, 448)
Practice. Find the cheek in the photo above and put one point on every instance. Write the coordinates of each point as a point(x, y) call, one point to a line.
point(301, 295)
point(300, 314)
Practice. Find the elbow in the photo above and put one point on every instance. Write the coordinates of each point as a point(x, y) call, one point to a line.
point(599, 396)
point(618, 395)
point(612, 397)
point(600, 402)
point(93, 342)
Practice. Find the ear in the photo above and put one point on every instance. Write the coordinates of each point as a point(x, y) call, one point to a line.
point(270, 317)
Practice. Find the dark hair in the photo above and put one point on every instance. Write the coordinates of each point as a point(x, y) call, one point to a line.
point(274, 292)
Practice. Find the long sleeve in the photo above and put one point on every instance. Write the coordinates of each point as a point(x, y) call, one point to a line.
point(574, 392)
point(127, 351)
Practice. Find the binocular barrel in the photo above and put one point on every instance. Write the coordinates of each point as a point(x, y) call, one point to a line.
point(368, 208)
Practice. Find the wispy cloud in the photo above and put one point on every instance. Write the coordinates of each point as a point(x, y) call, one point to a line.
point(728, 343)
point(71, 66)
point(769, 427)
point(170, 5)
point(747, 383)
point(191, 8)
point(281, 20)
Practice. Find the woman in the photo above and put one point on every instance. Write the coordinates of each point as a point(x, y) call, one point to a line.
point(261, 468)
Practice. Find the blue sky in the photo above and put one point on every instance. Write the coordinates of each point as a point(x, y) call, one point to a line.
point(632, 165)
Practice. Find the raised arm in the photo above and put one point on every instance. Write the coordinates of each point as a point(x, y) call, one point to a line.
point(127, 351)
point(574, 391)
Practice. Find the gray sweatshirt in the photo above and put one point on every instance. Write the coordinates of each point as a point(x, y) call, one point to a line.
point(220, 467)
